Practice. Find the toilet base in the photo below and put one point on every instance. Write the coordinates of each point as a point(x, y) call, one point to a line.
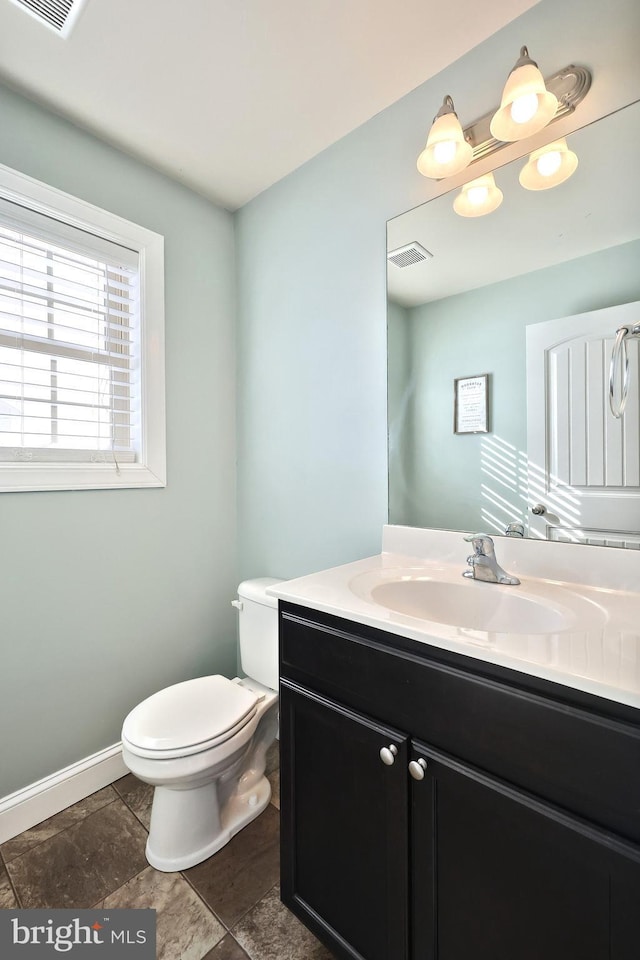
point(177, 844)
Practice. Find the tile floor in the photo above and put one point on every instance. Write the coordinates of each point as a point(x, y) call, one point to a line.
point(227, 908)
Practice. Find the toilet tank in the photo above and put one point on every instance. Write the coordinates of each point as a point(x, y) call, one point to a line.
point(258, 629)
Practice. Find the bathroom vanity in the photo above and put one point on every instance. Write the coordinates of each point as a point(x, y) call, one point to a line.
point(449, 793)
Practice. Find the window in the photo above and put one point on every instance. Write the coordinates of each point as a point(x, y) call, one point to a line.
point(81, 344)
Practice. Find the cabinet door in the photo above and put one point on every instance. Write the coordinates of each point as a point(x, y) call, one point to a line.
point(625, 908)
point(501, 876)
point(344, 822)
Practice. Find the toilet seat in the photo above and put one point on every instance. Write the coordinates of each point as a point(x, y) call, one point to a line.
point(189, 717)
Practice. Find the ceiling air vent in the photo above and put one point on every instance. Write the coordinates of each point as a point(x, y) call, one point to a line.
point(60, 15)
point(408, 255)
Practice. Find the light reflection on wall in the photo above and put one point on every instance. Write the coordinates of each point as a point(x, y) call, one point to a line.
point(504, 490)
point(512, 484)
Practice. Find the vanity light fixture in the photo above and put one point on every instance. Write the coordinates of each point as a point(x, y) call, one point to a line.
point(529, 103)
point(447, 152)
point(527, 106)
point(548, 166)
point(478, 197)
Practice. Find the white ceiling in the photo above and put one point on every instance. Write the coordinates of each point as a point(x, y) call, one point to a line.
point(229, 96)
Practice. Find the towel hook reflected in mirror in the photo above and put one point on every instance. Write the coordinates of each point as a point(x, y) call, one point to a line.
point(620, 358)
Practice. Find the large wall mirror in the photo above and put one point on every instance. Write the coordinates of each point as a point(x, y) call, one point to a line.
point(520, 309)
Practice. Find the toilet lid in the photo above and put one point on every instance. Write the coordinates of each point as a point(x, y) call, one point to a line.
point(190, 713)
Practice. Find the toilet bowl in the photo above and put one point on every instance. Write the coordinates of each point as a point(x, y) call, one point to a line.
point(202, 744)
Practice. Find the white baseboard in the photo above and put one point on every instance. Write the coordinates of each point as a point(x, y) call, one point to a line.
point(25, 808)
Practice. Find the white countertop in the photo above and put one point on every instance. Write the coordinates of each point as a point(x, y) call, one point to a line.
point(598, 654)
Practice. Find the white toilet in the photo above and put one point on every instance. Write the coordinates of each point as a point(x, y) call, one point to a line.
point(203, 744)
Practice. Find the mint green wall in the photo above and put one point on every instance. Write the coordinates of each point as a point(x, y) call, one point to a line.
point(484, 331)
point(106, 596)
point(312, 430)
point(401, 407)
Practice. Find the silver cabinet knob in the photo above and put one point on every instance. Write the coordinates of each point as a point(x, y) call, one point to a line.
point(539, 509)
point(389, 754)
point(417, 769)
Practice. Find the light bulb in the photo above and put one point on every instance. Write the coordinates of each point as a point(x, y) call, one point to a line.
point(548, 166)
point(526, 105)
point(549, 163)
point(444, 151)
point(524, 108)
point(477, 195)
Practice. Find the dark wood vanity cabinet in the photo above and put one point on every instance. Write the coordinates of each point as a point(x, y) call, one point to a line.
point(348, 838)
point(454, 843)
point(499, 875)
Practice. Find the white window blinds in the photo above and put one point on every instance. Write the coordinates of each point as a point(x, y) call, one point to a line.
point(69, 343)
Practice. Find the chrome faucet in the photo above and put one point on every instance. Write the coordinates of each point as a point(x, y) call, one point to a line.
point(483, 563)
point(515, 529)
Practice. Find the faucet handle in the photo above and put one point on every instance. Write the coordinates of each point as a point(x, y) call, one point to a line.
point(482, 543)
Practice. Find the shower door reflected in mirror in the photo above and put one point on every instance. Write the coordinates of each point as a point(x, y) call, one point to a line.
point(541, 257)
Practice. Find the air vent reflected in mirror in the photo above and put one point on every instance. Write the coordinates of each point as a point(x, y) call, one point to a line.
point(408, 255)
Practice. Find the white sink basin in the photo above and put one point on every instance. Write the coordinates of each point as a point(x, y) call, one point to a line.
point(538, 608)
point(574, 619)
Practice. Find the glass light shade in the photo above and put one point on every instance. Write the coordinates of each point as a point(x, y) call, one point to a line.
point(526, 106)
point(548, 166)
point(478, 197)
point(446, 152)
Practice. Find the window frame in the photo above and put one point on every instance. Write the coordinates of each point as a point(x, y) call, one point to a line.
point(150, 469)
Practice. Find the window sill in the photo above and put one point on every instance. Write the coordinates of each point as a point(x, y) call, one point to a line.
point(33, 477)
